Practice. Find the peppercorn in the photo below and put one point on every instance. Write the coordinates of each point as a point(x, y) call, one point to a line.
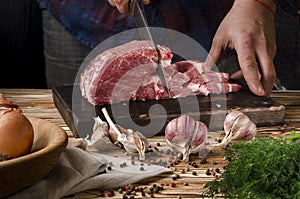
point(128, 192)
point(143, 194)
point(217, 170)
point(156, 190)
point(109, 168)
point(154, 185)
point(157, 144)
point(125, 197)
point(173, 184)
point(131, 197)
point(203, 161)
point(185, 184)
point(194, 164)
point(208, 172)
point(110, 194)
point(194, 173)
point(142, 168)
point(127, 188)
point(120, 191)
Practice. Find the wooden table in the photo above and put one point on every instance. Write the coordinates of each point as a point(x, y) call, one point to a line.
point(39, 103)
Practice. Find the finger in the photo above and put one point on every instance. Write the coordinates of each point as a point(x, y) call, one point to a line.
point(145, 2)
point(112, 3)
point(215, 54)
point(237, 75)
point(268, 72)
point(122, 6)
point(249, 67)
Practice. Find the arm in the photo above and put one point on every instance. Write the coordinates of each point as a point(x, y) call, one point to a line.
point(249, 29)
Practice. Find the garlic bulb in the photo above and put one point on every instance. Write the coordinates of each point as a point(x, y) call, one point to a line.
point(185, 135)
point(129, 140)
point(238, 126)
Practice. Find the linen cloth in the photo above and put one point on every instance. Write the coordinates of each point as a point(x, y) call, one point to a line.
point(78, 170)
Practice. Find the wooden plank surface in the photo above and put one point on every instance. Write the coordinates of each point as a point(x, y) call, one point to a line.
point(39, 103)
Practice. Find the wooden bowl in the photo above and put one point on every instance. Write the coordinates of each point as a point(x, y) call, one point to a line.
point(19, 173)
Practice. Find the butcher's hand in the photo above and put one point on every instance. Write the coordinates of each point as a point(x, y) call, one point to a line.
point(249, 29)
point(122, 5)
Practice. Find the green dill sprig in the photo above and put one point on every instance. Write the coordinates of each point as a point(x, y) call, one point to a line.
point(263, 168)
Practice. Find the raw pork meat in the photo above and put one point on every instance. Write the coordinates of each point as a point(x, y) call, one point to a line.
point(128, 72)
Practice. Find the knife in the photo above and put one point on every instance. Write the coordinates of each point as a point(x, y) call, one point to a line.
point(144, 32)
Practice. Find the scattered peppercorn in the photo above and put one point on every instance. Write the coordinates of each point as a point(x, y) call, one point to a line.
point(109, 168)
point(203, 161)
point(110, 194)
point(128, 192)
point(125, 197)
point(131, 197)
point(185, 184)
point(173, 184)
point(194, 173)
point(120, 191)
point(142, 168)
point(208, 172)
point(127, 188)
point(157, 144)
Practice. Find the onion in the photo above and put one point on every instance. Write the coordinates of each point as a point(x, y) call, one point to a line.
point(16, 132)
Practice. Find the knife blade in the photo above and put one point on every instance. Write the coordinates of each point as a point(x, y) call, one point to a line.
point(144, 32)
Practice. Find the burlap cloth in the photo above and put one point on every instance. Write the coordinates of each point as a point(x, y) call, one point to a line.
point(78, 170)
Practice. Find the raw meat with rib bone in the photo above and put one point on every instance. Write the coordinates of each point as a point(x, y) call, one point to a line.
point(128, 72)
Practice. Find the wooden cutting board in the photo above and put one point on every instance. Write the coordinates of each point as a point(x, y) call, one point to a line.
point(211, 110)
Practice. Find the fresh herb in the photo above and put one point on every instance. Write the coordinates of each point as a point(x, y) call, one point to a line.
point(263, 168)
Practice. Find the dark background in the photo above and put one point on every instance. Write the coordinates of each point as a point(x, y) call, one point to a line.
point(21, 42)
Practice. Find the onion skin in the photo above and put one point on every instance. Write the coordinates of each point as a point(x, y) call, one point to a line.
point(16, 132)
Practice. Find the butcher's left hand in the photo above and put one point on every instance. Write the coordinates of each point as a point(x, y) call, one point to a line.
point(122, 5)
point(249, 29)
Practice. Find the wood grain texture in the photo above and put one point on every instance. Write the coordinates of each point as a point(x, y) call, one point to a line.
point(40, 103)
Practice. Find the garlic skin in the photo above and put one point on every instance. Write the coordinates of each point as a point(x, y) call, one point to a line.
point(131, 141)
point(185, 135)
point(238, 126)
point(100, 130)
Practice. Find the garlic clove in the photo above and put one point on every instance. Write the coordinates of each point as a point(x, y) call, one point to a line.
point(230, 118)
point(199, 137)
point(241, 128)
point(129, 140)
point(184, 135)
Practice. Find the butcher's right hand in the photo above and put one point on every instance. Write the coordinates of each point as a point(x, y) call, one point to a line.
point(122, 5)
